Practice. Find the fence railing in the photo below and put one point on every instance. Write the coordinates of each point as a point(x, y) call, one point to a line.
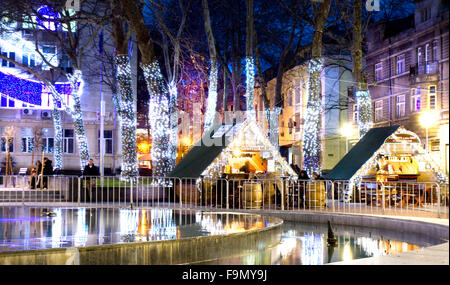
point(426, 199)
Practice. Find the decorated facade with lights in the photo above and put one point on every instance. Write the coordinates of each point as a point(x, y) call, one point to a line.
point(27, 103)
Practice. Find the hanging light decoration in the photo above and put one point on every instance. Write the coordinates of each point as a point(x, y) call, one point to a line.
point(312, 133)
point(127, 118)
point(58, 140)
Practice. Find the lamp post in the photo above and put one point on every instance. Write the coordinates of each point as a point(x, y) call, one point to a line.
point(348, 131)
point(428, 119)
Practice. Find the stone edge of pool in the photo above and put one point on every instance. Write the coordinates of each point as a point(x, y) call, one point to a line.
point(432, 255)
point(165, 252)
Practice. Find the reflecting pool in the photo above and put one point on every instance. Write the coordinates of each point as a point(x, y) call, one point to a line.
point(306, 244)
point(27, 228)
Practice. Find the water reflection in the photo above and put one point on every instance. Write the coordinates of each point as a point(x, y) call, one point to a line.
point(306, 244)
point(24, 228)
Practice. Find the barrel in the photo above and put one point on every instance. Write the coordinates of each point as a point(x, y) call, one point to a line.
point(315, 195)
point(251, 196)
point(189, 193)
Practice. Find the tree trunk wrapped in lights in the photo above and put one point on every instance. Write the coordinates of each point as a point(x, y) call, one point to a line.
point(127, 119)
point(212, 87)
point(58, 141)
point(173, 136)
point(312, 144)
point(362, 94)
point(159, 119)
point(312, 148)
point(250, 90)
point(76, 84)
point(364, 102)
point(274, 126)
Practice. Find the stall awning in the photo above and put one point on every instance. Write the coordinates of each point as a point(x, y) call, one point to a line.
point(197, 160)
point(360, 153)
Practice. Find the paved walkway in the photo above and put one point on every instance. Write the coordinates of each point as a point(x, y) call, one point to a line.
point(433, 255)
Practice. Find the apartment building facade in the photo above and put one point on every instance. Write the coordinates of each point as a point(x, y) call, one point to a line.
point(407, 64)
point(27, 104)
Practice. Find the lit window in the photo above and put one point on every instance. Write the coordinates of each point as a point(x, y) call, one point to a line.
point(378, 71)
point(378, 110)
point(400, 106)
point(400, 64)
point(432, 97)
point(415, 97)
point(68, 141)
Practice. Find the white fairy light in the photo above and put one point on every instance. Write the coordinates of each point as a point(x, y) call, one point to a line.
point(250, 90)
point(127, 118)
point(311, 136)
point(57, 149)
point(159, 119)
point(212, 97)
point(364, 102)
point(76, 83)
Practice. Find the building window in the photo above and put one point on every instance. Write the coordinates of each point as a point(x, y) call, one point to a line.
point(400, 106)
point(378, 110)
point(27, 140)
point(432, 97)
point(355, 114)
point(49, 53)
point(419, 56)
point(297, 122)
point(3, 145)
point(68, 141)
point(400, 64)
point(282, 128)
point(10, 55)
point(28, 57)
point(415, 97)
point(107, 137)
point(425, 14)
point(48, 139)
point(435, 50)
point(290, 97)
point(297, 95)
point(378, 71)
point(290, 125)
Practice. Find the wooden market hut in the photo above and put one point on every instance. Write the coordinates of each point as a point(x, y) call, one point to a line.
point(235, 152)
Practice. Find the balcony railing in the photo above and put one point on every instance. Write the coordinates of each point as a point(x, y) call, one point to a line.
point(425, 68)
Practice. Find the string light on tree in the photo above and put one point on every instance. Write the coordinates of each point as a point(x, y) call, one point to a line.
point(212, 97)
point(311, 136)
point(250, 90)
point(127, 118)
point(159, 119)
point(364, 102)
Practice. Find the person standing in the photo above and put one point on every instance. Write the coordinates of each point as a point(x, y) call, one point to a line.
point(48, 170)
point(90, 170)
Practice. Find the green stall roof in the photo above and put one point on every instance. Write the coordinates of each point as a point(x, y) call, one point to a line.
point(360, 153)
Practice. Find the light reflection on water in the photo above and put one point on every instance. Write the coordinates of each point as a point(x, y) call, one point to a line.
point(25, 228)
point(306, 244)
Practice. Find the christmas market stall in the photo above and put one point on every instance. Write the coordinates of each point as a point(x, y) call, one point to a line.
point(239, 153)
point(392, 160)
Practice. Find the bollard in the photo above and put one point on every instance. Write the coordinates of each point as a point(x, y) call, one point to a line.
point(438, 193)
point(383, 197)
point(282, 195)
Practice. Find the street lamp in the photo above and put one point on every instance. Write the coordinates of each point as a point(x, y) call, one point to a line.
point(428, 119)
point(348, 131)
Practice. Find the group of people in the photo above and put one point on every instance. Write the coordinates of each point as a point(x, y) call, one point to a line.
point(39, 174)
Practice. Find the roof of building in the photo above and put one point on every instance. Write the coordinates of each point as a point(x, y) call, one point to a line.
point(360, 153)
